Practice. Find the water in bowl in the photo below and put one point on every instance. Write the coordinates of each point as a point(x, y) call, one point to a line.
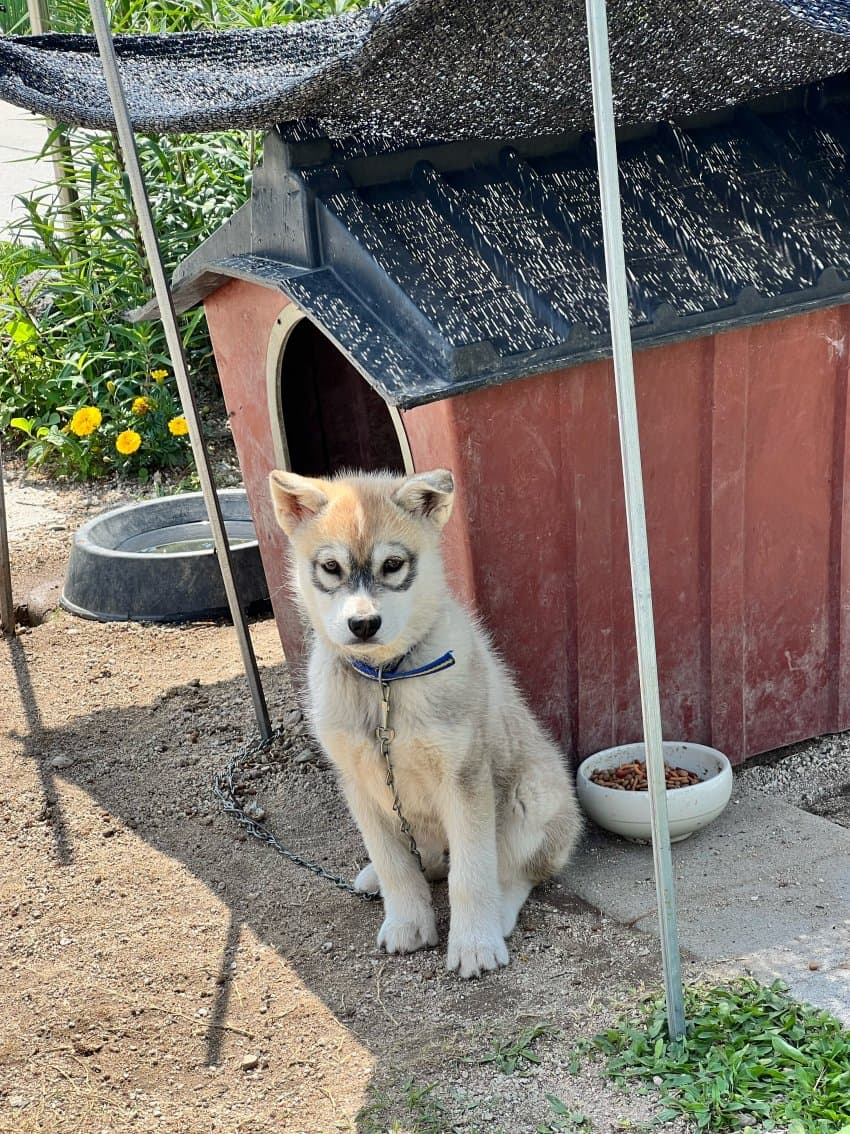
point(184, 538)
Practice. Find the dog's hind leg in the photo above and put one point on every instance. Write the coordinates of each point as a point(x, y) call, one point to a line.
point(367, 881)
point(535, 842)
point(514, 893)
point(435, 863)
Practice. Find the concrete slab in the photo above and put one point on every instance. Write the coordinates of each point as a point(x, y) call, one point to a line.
point(766, 887)
point(22, 136)
point(30, 506)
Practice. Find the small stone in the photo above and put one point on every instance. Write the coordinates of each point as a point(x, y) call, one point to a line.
point(62, 762)
point(327, 947)
point(250, 1062)
point(84, 1045)
point(306, 756)
point(294, 717)
point(17, 1102)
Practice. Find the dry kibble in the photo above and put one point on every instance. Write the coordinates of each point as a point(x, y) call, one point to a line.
point(632, 777)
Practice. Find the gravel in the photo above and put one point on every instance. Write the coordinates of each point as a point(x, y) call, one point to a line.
point(814, 775)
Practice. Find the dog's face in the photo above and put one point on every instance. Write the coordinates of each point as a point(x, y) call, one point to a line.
point(367, 556)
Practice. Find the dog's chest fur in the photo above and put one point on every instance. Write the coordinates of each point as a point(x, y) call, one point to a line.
point(426, 715)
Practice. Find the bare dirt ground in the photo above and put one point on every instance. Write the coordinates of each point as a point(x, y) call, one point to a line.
point(159, 971)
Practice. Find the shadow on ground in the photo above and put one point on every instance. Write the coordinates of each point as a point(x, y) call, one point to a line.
point(262, 972)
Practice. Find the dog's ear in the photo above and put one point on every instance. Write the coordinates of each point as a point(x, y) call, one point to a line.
point(295, 498)
point(429, 494)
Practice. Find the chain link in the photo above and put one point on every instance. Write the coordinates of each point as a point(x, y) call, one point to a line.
point(226, 786)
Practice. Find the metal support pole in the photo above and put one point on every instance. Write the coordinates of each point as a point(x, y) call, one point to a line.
point(7, 606)
point(168, 315)
point(63, 162)
point(615, 265)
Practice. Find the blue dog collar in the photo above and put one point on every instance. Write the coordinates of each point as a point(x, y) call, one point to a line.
point(382, 675)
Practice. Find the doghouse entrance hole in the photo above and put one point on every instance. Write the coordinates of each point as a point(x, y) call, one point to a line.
point(332, 419)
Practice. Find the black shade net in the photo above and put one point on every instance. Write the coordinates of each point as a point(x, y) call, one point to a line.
point(417, 71)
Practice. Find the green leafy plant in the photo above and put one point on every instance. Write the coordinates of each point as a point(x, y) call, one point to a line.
point(516, 1052)
point(564, 1120)
point(753, 1059)
point(70, 275)
point(74, 264)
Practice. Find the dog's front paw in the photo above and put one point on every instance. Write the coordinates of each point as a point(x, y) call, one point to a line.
point(407, 935)
point(476, 953)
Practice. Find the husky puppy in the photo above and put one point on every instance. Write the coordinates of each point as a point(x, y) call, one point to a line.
point(477, 778)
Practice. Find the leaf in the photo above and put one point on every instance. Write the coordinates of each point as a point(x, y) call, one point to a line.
point(557, 1106)
point(782, 1047)
point(23, 424)
point(21, 331)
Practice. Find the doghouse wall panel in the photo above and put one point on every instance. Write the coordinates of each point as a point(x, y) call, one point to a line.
point(743, 445)
point(241, 318)
point(745, 465)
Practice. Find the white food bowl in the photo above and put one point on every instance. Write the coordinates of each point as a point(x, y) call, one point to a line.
point(689, 808)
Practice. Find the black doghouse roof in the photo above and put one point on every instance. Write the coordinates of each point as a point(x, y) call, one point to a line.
point(442, 270)
point(413, 71)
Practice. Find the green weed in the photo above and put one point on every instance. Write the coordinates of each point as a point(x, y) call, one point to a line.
point(753, 1059)
point(417, 1109)
point(563, 1120)
point(517, 1053)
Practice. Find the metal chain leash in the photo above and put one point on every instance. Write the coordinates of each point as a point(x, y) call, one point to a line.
point(386, 736)
point(226, 790)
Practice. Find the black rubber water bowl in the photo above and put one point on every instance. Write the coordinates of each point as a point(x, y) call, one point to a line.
point(156, 562)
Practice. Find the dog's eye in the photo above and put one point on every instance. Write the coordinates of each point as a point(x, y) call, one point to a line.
point(331, 566)
point(392, 565)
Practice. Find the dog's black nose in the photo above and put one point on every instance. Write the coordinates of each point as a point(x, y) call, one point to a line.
point(365, 628)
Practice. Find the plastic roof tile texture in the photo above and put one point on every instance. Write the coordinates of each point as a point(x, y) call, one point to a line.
point(439, 281)
point(414, 71)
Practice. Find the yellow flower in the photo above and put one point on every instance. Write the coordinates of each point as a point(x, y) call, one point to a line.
point(141, 406)
point(178, 426)
point(159, 376)
point(127, 442)
point(86, 421)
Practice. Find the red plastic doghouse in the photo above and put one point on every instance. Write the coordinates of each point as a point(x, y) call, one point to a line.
point(744, 466)
point(415, 314)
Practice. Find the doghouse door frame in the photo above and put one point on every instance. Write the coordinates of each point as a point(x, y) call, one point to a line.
point(285, 324)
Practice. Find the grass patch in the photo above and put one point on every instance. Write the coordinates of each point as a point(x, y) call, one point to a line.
point(753, 1059)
